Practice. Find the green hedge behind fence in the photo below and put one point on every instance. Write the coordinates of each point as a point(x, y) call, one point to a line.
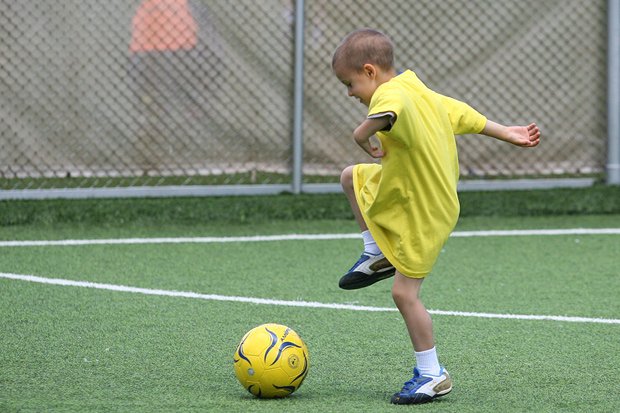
point(598, 199)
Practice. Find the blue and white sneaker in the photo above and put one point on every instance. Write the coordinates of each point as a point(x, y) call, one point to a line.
point(366, 271)
point(423, 388)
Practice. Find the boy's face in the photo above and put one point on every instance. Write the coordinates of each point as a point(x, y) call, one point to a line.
point(360, 84)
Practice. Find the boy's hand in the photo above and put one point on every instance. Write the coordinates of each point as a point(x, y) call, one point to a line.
point(375, 148)
point(526, 136)
point(365, 137)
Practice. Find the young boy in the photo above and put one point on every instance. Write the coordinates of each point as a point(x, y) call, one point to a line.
point(407, 206)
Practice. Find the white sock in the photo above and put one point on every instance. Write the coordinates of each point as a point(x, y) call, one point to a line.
point(427, 362)
point(370, 246)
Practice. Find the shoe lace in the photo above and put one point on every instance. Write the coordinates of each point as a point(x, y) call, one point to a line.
point(409, 384)
point(363, 258)
point(414, 382)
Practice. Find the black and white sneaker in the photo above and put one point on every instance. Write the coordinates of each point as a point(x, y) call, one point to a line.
point(366, 271)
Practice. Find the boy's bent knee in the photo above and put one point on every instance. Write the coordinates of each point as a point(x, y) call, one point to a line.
point(346, 177)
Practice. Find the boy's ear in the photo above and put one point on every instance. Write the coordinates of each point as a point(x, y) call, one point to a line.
point(370, 70)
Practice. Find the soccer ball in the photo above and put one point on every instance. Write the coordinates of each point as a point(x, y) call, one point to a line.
point(271, 361)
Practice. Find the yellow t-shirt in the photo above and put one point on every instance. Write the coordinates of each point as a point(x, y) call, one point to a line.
point(409, 202)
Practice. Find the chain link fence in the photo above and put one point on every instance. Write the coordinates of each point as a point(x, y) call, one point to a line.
point(200, 92)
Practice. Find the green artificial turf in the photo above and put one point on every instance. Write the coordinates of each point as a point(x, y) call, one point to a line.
point(75, 349)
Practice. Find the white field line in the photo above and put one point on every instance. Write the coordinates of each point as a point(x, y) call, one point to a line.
point(306, 304)
point(296, 237)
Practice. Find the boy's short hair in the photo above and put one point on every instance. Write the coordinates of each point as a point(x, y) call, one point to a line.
point(365, 46)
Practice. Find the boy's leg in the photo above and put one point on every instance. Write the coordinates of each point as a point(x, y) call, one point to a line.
point(346, 180)
point(406, 295)
point(372, 266)
point(430, 380)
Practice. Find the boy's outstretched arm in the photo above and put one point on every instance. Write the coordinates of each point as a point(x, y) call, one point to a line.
point(526, 136)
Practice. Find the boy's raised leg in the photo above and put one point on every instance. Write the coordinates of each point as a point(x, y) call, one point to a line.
point(346, 180)
point(372, 266)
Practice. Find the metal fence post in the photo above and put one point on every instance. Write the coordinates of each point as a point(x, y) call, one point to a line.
point(613, 95)
point(298, 96)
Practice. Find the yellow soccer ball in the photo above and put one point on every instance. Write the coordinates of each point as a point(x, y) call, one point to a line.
point(271, 361)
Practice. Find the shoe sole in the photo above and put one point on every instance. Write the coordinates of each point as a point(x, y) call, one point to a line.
point(419, 398)
point(356, 280)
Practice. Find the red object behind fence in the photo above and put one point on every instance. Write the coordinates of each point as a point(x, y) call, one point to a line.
point(163, 25)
